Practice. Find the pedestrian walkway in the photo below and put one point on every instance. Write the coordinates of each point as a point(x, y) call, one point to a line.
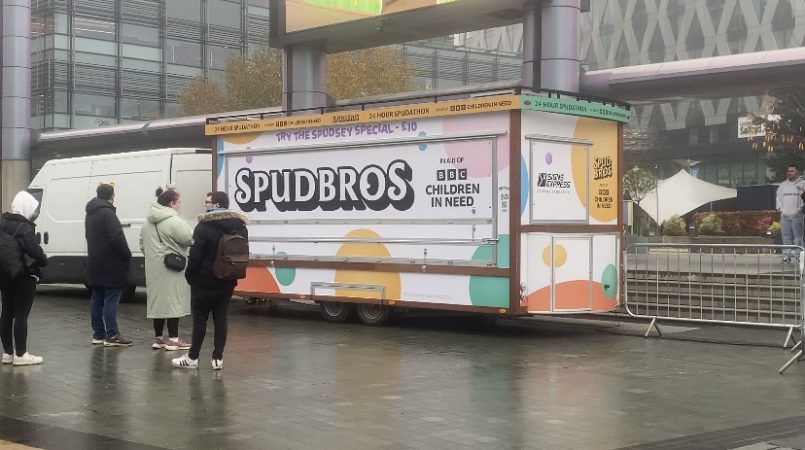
point(427, 382)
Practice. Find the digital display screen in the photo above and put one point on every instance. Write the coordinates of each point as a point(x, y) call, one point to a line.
point(308, 14)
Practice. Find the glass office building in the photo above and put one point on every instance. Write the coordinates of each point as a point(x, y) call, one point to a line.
point(104, 62)
point(617, 33)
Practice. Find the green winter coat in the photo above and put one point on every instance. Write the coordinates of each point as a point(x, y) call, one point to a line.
point(168, 292)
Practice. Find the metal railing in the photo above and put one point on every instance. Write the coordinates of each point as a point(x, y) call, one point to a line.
point(715, 283)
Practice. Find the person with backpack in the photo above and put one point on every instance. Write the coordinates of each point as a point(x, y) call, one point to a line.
point(164, 240)
point(108, 259)
point(20, 260)
point(218, 258)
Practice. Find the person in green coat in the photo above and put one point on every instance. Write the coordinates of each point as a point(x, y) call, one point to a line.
point(168, 292)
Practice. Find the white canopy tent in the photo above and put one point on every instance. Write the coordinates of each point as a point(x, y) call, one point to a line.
point(681, 194)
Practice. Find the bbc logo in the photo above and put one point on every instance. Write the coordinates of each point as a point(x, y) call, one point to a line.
point(451, 175)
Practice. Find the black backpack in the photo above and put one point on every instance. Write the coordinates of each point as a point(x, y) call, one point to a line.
point(231, 258)
point(11, 262)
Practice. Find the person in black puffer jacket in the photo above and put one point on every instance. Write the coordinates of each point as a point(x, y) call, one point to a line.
point(108, 259)
point(18, 294)
point(207, 293)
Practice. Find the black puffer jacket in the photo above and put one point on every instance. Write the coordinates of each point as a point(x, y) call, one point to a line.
point(211, 227)
point(108, 254)
point(32, 254)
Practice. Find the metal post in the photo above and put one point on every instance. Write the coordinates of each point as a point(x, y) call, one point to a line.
point(797, 356)
point(15, 92)
point(303, 81)
point(654, 325)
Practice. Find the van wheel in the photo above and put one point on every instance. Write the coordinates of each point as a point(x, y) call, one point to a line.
point(336, 312)
point(372, 313)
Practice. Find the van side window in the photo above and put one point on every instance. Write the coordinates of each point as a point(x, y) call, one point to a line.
point(37, 194)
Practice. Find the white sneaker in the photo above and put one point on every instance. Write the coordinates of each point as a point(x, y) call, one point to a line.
point(217, 364)
point(7, 359)
point(185, 362)
point(27, 360)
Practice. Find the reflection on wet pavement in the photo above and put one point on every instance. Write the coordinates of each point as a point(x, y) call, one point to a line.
point(428, 381)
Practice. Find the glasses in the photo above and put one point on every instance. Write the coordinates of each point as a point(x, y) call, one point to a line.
point(207, 202)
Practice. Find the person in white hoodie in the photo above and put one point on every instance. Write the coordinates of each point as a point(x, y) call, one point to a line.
point(789, 203)
point(17, 294)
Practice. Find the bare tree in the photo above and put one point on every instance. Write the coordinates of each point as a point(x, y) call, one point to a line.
point(637, 183)
point(255, 81)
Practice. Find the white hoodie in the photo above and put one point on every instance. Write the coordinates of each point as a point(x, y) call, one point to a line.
point(789, 202)
point(24, 204)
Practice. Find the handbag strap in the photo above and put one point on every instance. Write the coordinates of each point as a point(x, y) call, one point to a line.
point(156, 226)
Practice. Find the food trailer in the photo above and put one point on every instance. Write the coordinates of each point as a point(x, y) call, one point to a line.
point(503, 204)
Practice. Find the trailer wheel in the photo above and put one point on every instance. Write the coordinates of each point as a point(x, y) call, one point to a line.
point(336, 312)
point(271, 306)
point(372, 313)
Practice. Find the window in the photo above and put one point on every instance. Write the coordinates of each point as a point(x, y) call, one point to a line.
point(216, 76)
point(223, 13)
point(95, 59)
point(750, 173)
point(63, 42)
point(219, 56)
point(41, 25)
point(60, 23)
point(714, 134)
point(138, 34)
point(94, 28)
point(92, 122)
point(184, 9)
point(172, 109)
point(187, 71)
point(60, 101)
point(257, 11)
point(183, 52)
point(140, 65)
point(139, 109)
point(94, 105)
point(736, 172)
point(95, 46)
point(723, 174)
point(140, 52)
point(693, 136)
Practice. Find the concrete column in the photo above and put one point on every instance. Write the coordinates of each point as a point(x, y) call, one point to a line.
point(15, 96)
point(532, 47)
point(560, 63)
point(304, 80)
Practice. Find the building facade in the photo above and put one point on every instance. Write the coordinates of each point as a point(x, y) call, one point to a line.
point(105, 62)
point(617, 33)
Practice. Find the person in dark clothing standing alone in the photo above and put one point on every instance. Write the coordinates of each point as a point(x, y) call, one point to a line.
point(209, 293)
point(18, 293)
point(108, 259)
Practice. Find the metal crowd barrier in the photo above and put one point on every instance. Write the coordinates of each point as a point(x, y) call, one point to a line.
point(715, 283)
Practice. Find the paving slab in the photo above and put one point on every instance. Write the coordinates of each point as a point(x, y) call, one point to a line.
point(429, 380)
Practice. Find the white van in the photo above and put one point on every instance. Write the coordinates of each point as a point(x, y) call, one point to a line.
point(64, 186)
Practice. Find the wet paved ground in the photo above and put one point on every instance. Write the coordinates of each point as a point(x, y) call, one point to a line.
point(427, 382)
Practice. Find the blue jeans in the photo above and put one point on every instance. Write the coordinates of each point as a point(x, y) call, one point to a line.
point(792, 228)
point(103, 310)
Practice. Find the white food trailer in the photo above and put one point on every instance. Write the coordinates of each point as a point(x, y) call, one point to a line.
point(506, 204)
